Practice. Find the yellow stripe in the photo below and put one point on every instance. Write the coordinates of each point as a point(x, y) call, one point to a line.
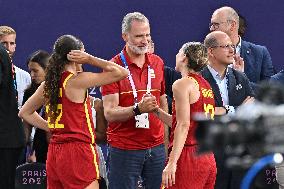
point(60, 92)
point(66, 79)
point(195, 81)
point(95, 161)
point(89, 122)
point(152, 90)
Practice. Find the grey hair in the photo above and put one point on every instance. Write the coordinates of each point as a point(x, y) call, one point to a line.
point(231, 14)
point(126, 22)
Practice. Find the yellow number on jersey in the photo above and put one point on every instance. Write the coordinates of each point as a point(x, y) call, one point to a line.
point(55, 125)
point(209, 109)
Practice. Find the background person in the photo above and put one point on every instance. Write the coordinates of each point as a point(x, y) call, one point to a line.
point(12, 137)
point(231, 89)
point(23, 79)
point(257, 61)
point(37, 63)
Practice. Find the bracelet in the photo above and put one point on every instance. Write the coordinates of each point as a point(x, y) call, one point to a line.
point(136, 110)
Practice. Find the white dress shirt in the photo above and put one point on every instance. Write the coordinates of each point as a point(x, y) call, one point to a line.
point(23, 80)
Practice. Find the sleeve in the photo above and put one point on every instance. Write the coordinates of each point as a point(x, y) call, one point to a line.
point(278, 78)
point(170, 76)
point(26, 96)
point(110, 89)
point(253, 86)
point(248, 86)
point(267, 69)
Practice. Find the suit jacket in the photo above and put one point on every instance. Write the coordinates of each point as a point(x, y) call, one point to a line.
point(171, 76)
point(238, 87)
point(258, 63)
point(11, 128)
point(279, 77)
point(238, 90)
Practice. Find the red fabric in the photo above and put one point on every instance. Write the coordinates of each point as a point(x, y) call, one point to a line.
point(206, 98)
point(77, 122)
point(124, 135)
point(71, 165)
point(196, 172)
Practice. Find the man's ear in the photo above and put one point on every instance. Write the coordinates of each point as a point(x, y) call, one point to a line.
point(210, 51)
point(233, 25)
point(125, 37)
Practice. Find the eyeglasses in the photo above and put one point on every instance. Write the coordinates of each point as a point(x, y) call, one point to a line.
point(226, 47)
point(216, 25)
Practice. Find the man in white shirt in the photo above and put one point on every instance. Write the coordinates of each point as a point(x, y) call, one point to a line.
point(23, 79)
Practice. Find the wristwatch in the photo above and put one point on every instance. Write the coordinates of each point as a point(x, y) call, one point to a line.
point(136, 109)
point(227, 108)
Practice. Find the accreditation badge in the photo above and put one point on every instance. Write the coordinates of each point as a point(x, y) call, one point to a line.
point(142, 121)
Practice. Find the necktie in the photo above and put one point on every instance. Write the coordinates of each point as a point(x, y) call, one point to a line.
point(14, 80)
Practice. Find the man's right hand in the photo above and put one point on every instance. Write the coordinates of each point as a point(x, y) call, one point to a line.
point(239, 63)
point(148, 104)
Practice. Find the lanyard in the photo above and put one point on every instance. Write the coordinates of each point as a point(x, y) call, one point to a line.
point(122, 57)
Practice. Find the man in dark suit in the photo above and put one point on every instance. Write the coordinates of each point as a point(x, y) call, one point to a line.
point(231, 88)
point(257, 61)
point(11, 128)
point(171, 75)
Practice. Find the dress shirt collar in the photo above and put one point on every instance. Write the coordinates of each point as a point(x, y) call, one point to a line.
point(238, 46)
point(215, 74)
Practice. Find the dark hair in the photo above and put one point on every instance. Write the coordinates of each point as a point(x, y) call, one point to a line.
point(196, 54)
point(40, 56)
point(242, 26)
point(57, 62)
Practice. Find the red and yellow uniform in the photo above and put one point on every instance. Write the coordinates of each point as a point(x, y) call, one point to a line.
point(72, 160)
point(195, 171)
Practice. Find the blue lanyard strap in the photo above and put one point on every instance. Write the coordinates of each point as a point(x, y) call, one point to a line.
point(122, 57)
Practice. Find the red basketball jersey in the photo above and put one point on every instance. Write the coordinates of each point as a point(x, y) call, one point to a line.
point(74, 122)
point(205, 104)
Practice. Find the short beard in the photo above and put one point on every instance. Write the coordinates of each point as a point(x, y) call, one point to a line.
point(138, 50)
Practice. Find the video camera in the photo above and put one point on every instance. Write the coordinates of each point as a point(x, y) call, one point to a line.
point(255, 130)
